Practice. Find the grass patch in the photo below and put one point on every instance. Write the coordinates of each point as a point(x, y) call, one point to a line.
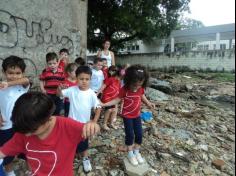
point(224, 77)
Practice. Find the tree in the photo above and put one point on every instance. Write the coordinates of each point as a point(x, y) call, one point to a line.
point(124, 20)
point(189, 23)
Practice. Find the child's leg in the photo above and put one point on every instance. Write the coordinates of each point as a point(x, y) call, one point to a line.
point(138, 131)
point(66, 108)
point(83, 150)
point(6, 135)
point(58, 102)
point(106, 118)
point(129, 140)
point(114, 117)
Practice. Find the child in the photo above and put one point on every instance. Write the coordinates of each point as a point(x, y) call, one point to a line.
point(97, 76)
point(47, 141)
point(82, 100)
point(105, 68)
point(69, 82)
point(90, 64)
point(111, 89)
point(80, 61)
point(132, 93)
point(64, 58)
point(50, 79)
point(15, 85)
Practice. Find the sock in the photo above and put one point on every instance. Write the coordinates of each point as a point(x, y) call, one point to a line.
point(130, 154)
point(136, 151)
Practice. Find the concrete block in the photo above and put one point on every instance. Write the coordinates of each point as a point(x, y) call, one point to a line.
point(139, 170)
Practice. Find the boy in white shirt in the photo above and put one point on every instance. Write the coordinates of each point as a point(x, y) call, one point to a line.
point(97, 76)
point(11, 89)
point(82, 101)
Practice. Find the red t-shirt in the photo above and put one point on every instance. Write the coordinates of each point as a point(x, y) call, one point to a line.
point(52, 80)
point(105, 73)
point(52, 156)
point(68, 84)
point(132, 102)
point(111, 91)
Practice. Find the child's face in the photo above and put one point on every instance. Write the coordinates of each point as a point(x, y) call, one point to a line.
point(107, 45)
point(41, 131)
point(64, 55)
point(104, 63)
point(53, 64)
point(13, 73)
point(137, 86)
point(98, 66)
point(83, 80)
point(72, 74)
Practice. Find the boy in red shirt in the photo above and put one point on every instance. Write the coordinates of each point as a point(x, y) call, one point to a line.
point(63, 58)
point(48, 142)
point(50, 79)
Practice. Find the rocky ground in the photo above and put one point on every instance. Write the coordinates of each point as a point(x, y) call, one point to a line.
point(192, 132)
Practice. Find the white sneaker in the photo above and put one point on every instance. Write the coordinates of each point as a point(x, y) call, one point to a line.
point(139, 158)
point(133, 161)
point(87, 166)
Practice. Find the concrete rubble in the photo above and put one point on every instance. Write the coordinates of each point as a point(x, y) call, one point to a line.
point(191, 134)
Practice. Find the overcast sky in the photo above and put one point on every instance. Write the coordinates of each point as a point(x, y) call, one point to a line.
point(213, 12)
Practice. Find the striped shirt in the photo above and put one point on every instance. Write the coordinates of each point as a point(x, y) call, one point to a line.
point(52, 80)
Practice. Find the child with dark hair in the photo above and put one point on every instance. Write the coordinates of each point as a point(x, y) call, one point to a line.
point(51, 78)
point(111, 89)
point(63, 58)
point(97, 76)
point(82, 101)
point(69, 82)
point(105, 68)
point(47, 141)
point(11, 89)
point(80, 61)
point(135, 80)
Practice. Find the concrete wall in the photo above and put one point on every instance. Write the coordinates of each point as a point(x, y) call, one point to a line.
point(215, 60)
point(31, 28)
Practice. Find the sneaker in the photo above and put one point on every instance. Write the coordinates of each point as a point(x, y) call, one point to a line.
point(133, 161)
point(87, 166)
point(139, 158)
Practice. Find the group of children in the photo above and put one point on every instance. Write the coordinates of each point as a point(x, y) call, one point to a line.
point(49, 141)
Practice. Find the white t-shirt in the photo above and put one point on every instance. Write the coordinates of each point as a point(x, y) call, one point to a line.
point(107, 57)
point(81, 103)
point(96, 80)
point(8, 98)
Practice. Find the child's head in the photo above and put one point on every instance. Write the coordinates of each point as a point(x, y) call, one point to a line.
point(83, 74)
point(35, 120)
point(113, 71)
point(97, 64)
point(64, 52)
point(80, 61)
point(106, 44)
point(90, 64)
point(13, 68)
point(52, 60)
point(136, 77)
point(104, 62)
point(70, 70)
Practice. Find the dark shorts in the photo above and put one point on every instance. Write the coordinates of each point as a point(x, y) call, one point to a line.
point(83, 146)
point(109, 107)
point(6, 135)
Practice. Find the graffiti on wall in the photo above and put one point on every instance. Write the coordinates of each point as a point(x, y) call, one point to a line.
point(16, 31)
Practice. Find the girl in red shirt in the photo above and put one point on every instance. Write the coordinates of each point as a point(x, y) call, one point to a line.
point(70, 81)
point(111, 89)
point(135, 81)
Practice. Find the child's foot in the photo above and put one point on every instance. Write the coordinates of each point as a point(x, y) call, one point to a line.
point(105, 127)
point(87, 165)
point(133, 160)
point(139, 158)
point(114, 127)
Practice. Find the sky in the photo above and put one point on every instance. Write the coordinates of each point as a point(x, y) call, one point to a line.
point(213, 12)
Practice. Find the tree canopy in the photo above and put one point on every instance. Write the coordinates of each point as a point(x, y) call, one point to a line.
point(125, 20)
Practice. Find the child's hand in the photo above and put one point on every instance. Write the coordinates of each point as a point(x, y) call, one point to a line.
point(90, 129)
point(151, 105)
point(3, 85)
point(1, 121)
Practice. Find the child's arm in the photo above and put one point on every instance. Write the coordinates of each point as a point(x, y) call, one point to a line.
point(42, 87)
point(90, 129)
point(112, 103)
point(59, 90)
point(148, 103)
point(113, 59)
point(22, 81)
point(1, 121)
point(101, 89)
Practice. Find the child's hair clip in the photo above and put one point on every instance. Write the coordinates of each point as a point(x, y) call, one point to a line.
point(141, 71)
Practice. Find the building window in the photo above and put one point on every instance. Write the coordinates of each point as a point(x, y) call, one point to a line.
point(206, 47)
point(128, 48)
point(133, 47)
point(223, 46)
point(137, 47)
